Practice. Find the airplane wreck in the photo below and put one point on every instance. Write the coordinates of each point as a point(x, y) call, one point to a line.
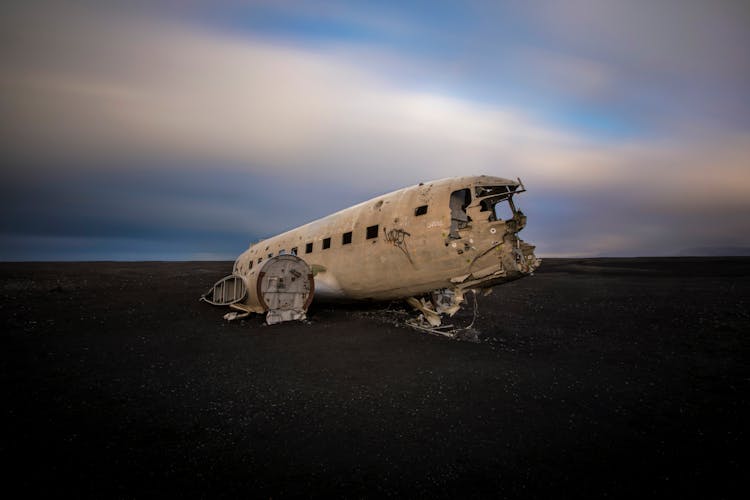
point(427, 244)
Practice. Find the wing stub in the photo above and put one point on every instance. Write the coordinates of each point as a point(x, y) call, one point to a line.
point(228, 290)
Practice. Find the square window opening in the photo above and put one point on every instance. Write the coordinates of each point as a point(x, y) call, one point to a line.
point(308, 248)
point(372, 231)
point(326, 243)
point(347, 238)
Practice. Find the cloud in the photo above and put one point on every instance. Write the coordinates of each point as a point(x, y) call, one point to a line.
point(671, 36)
point(673, 60)
point(170, 92)
point(91, 95)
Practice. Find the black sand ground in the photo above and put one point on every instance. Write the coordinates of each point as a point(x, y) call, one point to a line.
point(601, 377)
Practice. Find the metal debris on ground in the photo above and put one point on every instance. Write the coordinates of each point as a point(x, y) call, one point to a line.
point(457, 333)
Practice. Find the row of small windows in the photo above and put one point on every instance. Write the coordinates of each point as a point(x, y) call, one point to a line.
point(346, 239)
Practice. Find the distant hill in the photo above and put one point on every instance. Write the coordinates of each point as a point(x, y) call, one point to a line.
point(715, 252)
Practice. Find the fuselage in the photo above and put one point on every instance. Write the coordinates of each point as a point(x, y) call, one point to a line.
point(449, 233)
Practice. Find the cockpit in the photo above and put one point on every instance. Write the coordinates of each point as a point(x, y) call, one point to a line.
point(498, 200)
point(485, 203)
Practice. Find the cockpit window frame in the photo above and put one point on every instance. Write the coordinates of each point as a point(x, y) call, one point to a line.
point(489, 205)
point(487, 190)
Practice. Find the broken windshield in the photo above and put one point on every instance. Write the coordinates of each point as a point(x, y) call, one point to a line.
point(499, 207)
point(497, 200)
point(503, 210)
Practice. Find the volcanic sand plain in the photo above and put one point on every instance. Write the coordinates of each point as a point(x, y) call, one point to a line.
point(595, 377)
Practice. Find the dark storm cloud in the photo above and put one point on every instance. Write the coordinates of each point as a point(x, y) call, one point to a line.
point(197, 212)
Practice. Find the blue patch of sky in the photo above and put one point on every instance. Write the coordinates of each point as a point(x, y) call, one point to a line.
point(419, 28)
point(273, 23)
point(595, 124)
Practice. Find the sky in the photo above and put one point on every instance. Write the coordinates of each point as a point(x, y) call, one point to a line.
point(186, 130)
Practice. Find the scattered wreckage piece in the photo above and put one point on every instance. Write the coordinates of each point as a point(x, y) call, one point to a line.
point(427, 244)
point(450, 304)
point(225, 292)
point(283, 289)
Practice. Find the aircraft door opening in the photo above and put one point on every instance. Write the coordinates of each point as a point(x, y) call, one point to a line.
point(459, 218)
